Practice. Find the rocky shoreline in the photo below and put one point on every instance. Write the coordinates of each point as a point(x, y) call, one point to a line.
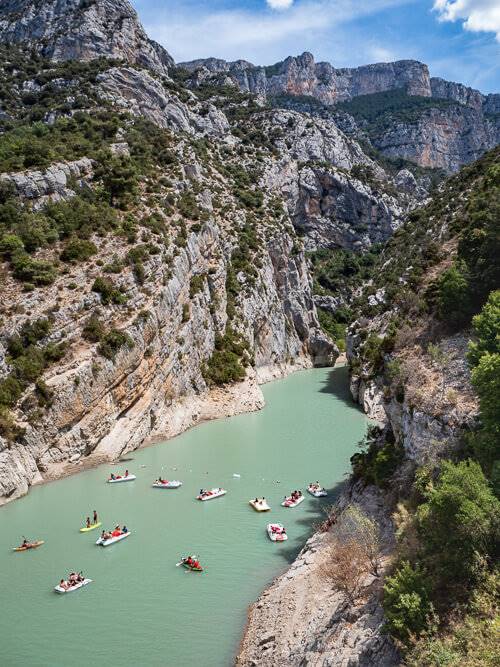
point(181, 415)
point(301, 620)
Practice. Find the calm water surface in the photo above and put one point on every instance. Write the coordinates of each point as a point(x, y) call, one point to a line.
point(140, 608)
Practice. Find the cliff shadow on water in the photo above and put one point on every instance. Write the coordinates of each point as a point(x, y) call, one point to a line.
point(337, 384)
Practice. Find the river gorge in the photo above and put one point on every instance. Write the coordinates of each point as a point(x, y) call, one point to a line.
point(140, 608)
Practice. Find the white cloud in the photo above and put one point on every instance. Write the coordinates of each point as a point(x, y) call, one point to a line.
point(280, 4)
point(477, 15)
point(260, 36)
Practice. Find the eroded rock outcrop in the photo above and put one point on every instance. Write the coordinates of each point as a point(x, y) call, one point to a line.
point(81, 30)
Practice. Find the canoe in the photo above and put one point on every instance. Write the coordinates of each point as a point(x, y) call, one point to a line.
point(277, 536)
point(292, 503)
point(190, 567)
point(117, 480)
point(317, 493)
point(92, 526)
point(173, 484)
point(213, 493)
point(33, 545)
point(106, 543)
point(260, 505)
point(80, 584)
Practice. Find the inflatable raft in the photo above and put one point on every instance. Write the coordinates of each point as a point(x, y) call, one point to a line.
point(80, 584)
point(92, 526)
point(111, 540)
point(211, 494)
point(117, 480)
point(317, 491)
point(259, 505)
point(276, 532)
point(32, 545)
point(288, 502)
point(173, 484)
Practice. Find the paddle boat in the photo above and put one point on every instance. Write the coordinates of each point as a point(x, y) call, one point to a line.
point(317, 490)
point(191, 563)
point(293, 500)
point(69, 588)
point(116, 535)
point(211, 494)
point(116, 479)
point(276, 532)
point(26, 546)
point(259, 504)
point(92, 526)
point(166, 484)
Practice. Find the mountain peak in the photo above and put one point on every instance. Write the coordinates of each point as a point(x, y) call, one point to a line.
point(82, 30)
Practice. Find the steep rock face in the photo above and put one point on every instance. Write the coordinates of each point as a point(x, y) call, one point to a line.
point(143, 95)
point(102, 408)
point(329, 205)
point(441, 138)
point(81, 30)
point(301, 75)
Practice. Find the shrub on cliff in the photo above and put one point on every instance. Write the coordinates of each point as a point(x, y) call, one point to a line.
point(78, 250)
point(108, 291)
point(224, 366)
point(459, 525)
point(407, 606)
point(112, 342)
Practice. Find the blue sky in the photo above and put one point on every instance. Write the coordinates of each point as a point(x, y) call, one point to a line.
point(458, 39)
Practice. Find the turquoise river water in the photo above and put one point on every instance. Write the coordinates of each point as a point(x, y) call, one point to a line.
point(141, 609)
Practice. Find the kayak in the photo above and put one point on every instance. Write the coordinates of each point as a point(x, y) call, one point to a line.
point(278, 534)
point(260, 505)
point(117, 480)
point(210, 495)
point(173, 484)
point(80, 584)
point(32, 545)
point(292, 503)
point(92, 526)
point(317, 492)
point(191, 567)
point(106, 543)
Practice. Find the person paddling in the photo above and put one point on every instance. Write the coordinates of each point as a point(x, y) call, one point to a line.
point(95, 517)
point(88, 522)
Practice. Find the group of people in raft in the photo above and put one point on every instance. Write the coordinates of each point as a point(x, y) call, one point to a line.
point(73, 579)
point(295, 495)
point(113, 476)
point(107, 535)
point(192, 562)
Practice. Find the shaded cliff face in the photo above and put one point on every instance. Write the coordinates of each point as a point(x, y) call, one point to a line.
point(81, 30)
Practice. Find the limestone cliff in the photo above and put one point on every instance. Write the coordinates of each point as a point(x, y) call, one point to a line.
point(81, 30)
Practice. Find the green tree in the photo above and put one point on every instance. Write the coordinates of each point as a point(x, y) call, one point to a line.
point(458, 523)
point(453, 296)
point(487, 329)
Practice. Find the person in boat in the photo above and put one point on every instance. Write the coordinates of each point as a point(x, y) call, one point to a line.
point(256, 501)
point(124, 530)
point(25, 543)
point(189, 561)
point(63, 584)
point(88, 522)
point(195, 564)
point(126, 473)
point(112, 476)
point(96, 520)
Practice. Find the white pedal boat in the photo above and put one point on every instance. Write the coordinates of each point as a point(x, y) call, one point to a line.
point(259, 505)
point(317, 491)
point(288, 502)
point(211, 494)
point(276, 532)
point(80, 584)
point(106, 543)
point(117, 480)
point(173, 484)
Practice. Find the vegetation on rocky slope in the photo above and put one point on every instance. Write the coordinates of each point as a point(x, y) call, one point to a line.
point(436, 281)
